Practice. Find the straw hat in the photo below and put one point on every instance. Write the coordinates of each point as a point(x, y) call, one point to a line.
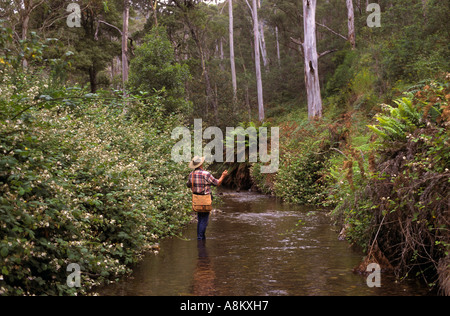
point(196, 162)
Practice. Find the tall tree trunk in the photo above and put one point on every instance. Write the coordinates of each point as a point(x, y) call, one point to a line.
point(126, 15)
point(153, 4)
point(262, 41)
point(27, 8)
point(311, 59)
point(258, 62)
point(221, 54)
point(278, 46)
point(233, 65)
point(351, 23)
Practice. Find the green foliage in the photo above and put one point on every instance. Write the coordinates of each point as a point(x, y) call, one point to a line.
point(304, 150)
point(297, 180)
point(83, 183)
point(154, 69)
point(407, 188)
point(400, 120)
point(404, 119)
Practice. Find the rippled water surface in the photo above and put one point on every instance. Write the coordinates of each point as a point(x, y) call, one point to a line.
point(257, 246)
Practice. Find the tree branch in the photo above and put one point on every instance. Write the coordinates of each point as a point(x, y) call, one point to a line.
point(251, 10)
point(296, 41)
point(36, 5)
point(300, 45)
point(327, 52)
point(115, 27)
point(329, 29)
point(332, 31)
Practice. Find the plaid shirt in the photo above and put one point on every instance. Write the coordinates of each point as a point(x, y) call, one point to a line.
point(202, 181)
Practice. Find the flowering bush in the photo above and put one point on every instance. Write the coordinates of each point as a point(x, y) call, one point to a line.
point(87, 185)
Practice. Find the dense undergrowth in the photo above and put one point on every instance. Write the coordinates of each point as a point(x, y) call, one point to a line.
point(386, 179)
point(85, 179)
point(82, 182)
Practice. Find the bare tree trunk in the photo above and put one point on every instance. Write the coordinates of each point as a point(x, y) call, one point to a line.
point(25, 13)
point(351, 23)
point(262, 41)
point(153, 6)
point(233, 66)
point(126, 15)
point(25, 22)
point(221, 55)
point(257, 62)
point(278, 46)
point(311, 59)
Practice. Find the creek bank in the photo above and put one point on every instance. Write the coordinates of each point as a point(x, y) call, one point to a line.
point(388, 188)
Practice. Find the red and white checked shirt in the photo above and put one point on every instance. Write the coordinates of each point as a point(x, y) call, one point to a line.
point(202, 181)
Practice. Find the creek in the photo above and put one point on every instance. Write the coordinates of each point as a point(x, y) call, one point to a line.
point(257, 245)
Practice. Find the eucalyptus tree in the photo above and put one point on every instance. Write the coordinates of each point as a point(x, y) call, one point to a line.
point(351, 23)
point(256, 45)
point(311, 59)
point(232, 61)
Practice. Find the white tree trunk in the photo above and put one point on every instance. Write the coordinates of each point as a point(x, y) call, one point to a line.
point(257, 62)
point(262, 41)
point(351, 23)
point(126, 15)
point(311, 59)
point(278, 46)
point(27, 7)
point(233, 66)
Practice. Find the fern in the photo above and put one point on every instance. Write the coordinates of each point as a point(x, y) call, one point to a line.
point(377, 131)
point(408, 112)
point(398, 121)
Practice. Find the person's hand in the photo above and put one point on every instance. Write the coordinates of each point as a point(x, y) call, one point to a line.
point(224, 174)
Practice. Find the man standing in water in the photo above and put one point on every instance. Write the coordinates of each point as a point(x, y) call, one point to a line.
point(200, 182)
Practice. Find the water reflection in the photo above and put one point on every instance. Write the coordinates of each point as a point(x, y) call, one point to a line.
point(204, 276)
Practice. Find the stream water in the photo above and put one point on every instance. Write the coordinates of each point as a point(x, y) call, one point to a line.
point(257, 246)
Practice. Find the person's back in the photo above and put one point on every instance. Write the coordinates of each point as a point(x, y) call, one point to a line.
point(200, 182)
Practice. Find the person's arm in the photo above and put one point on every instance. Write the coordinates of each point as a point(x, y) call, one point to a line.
point(224, 174)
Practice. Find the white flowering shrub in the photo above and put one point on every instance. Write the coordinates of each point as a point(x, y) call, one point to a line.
point(84, 184)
